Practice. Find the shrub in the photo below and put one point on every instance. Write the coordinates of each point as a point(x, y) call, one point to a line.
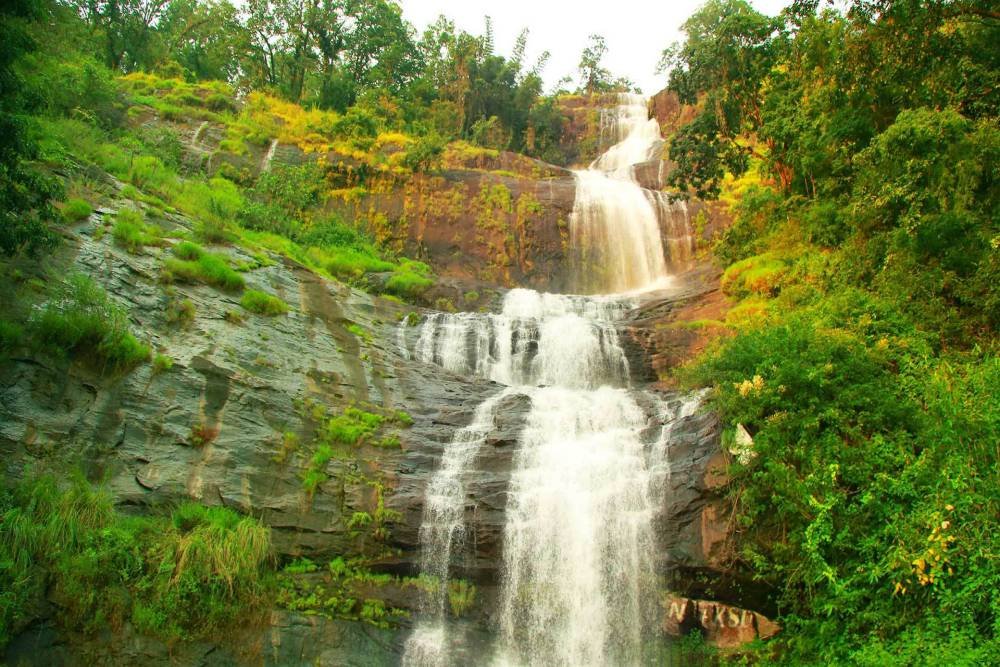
point(76, 210)
point(82, 320)
point(757, 214)
point(11, 335)
point(353, 426)
point(263, 303)
point(408, 284)
point(872, 461)
point(761, 275)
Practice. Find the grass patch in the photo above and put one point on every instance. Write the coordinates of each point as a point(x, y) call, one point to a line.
point(194, 264)
point(75, 210)
point(360, 332)
point(410, 281)
point(263, 303)
point(131, 233)
point(82, 321)
point(162, 363)
point(179, 577)
point(353, 426)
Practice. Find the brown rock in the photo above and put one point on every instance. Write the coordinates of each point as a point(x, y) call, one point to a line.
point(723, 626)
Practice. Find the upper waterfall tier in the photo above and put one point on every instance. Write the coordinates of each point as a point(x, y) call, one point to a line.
point(636, 135)
point(616, 242)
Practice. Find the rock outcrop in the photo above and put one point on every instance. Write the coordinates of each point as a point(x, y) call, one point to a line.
point(721, 625)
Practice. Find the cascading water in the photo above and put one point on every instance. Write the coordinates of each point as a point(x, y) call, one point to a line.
point(578, 577)
point(615, 224)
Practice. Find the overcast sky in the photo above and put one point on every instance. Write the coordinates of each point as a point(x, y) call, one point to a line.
point(636, 30)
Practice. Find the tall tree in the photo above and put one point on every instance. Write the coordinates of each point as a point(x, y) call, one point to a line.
point(126, 27)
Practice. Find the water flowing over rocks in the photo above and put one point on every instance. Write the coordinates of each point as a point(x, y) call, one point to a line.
point(590, 480)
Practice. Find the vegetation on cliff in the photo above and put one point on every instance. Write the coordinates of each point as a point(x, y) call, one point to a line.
point(181, 576)
point(867, 248)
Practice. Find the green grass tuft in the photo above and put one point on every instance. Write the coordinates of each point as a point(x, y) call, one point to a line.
point(131, 233)
point(162, 363)
point(76, 210)
point(194, 264)
point(262, 303)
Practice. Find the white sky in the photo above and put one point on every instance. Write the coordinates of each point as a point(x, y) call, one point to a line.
point(636, 31)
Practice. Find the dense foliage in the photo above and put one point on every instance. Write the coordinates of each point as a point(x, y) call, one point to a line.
point(864, 258)
point(185, 575)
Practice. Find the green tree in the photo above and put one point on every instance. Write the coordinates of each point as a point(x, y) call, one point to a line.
point(127, 29)
point(721, 66)
point(205, 37)
point(24, 191)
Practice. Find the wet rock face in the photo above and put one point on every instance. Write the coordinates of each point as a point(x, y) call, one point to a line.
point(490, 227)
point(241, 388)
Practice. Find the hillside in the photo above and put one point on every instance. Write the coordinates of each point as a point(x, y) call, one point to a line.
point(324, 342)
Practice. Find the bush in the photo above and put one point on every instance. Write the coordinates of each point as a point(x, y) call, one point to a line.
point(263, 303)
point(757, 215)
point(353, 426)
point(76, 210)
point(761, 275)
point(83, 321)
point(872, 462)
point(11, 335)
point(408, 284)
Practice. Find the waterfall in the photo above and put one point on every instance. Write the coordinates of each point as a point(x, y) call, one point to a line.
point(579, 572)
point(536, 339)
point(578, 544)
point(615, 237)
point(265, 163)
point(442, 532)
